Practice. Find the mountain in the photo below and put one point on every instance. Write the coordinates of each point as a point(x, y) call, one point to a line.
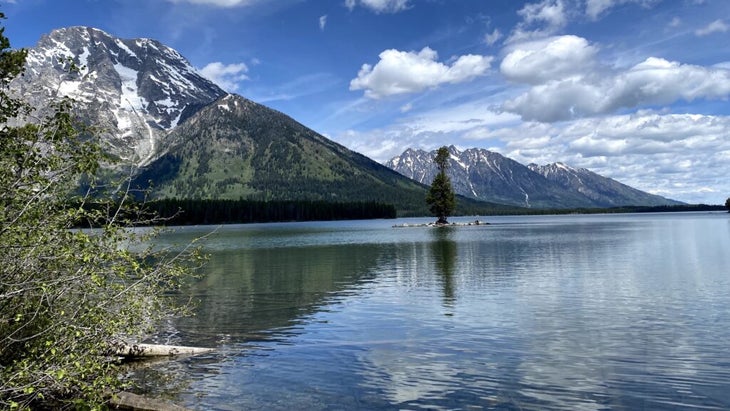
point(235, 148)
point(133, 91)
point(601, 190)
point(185, 137)
point(489, 176)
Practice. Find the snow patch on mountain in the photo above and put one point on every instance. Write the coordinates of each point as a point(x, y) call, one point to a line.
point(489, 176)
point(130, 99)
point(135, 90)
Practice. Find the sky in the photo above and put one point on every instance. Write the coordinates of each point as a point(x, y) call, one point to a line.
point(635, 90)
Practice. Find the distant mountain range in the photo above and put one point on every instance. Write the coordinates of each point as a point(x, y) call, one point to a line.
point(182, 136)
point(489, 176)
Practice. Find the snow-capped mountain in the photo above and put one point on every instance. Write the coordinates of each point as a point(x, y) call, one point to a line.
point(489, 176)
point(601, 190)
point(152, 109)
point(190, 138)
point(133, 90)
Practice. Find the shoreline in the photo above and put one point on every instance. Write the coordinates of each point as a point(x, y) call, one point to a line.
point(437, 225)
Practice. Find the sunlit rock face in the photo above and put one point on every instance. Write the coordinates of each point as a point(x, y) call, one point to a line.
point(489, 176)
point(132, 90)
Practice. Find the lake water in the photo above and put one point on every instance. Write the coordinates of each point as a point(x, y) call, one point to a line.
point(549, 313)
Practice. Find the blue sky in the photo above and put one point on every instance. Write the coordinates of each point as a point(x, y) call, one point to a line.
point(636, 90)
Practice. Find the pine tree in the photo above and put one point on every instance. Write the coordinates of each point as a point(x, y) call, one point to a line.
point(440, 197)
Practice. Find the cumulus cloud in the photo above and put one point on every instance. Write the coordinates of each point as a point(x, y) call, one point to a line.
point(717, 26)
point(568, 83)
point(539, 20)
point(322, 22)
point(549, 59)
point(682, 156)
point(227, 76)
point(675, 155)
point(402, 72)
point(379, 6)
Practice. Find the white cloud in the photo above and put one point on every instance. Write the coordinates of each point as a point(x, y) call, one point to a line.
point(458, 119)
point(594, 8)
point(548, 17)
point(675, 155)
point(227, 76)
point(568, 83)
point(549, 59)
point(493, 37)
point(427, 129)
point(401, 72)
point(551, 12)
point(380, 145)
point(322, 22)
point(539, 20)
point(717, 26)
point(379, 6)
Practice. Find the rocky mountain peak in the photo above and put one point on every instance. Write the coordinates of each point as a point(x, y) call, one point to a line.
point(489, 176)
point(134, 89)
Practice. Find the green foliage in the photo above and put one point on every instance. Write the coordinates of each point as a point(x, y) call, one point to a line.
point(727, 204)
point(67, 295)
point(440, 197)
point(255, 153)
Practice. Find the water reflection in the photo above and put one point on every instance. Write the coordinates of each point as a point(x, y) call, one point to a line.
point(443, 254)
point(252, 295)
point(561, 313)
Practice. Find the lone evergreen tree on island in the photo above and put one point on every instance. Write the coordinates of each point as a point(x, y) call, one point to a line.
point(440, 197)
point(727, 204)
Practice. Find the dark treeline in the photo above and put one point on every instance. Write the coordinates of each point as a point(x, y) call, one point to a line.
point(624, 209)
point(200, 212)
point(190, 212)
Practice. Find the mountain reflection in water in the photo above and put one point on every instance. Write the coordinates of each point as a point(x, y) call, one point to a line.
point(564, 312)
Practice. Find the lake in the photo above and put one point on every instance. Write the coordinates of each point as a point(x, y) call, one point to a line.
point(578, 312)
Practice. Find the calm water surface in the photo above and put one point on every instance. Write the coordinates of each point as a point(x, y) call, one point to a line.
point(550, 313)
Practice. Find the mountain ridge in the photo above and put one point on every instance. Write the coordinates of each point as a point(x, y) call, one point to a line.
point(133, 90)
point(489, 176)
point(184, 137)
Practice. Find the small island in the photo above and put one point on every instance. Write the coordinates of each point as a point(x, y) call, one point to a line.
point(437, 224)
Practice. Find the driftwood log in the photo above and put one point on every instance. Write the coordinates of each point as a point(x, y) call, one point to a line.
point(133, 402)
point(155, 350)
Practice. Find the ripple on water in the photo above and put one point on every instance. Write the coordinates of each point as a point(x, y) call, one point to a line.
point(554, 313)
